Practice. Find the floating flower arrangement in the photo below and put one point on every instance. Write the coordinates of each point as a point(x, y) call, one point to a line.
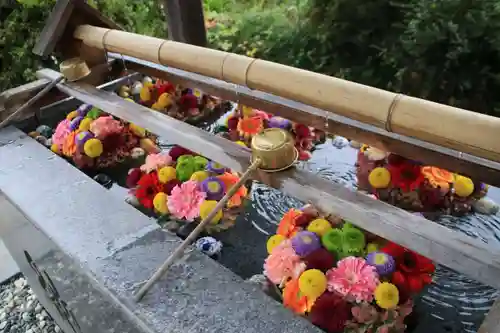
point(245, 122)
point(341, 278)
point(181, 188)
point(94, 140)
point(189, 105)
point(416, 187)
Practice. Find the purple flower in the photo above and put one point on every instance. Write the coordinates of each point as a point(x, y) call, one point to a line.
point(75, 123)
point(82, 137)
point(278, 122)
point(305, 242)
point(383, 263)
point(215, 168)
point(213, 187)
point(84, 109)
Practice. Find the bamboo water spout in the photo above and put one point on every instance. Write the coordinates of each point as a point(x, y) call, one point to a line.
point(436, 123)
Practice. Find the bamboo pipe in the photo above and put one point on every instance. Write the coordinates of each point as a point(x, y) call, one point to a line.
point(443, 125)
point(192, 236)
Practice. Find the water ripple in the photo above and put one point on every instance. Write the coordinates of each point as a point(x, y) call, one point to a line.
point(453, 303)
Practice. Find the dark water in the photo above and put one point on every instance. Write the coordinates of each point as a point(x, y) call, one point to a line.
point(453, 303)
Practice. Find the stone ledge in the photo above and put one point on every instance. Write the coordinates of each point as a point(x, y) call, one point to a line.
point(117, 247)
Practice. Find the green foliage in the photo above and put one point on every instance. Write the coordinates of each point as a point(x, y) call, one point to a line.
point(22, 24)
point(250, 27)
point(144, 17)
point(18, 35)
point(447, 50)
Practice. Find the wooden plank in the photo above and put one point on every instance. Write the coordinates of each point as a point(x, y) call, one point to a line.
point(478, 168)
point(491, 323)
point(54, 28)
point(447, 247)
point(63, 20)
point(23, 92)
point(185, 21)
point(12, 99)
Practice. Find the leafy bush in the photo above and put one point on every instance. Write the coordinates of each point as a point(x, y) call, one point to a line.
point(18, 35)
point(446, 51)
point(24, 20)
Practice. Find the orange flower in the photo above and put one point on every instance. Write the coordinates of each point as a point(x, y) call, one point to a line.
point(248, 127)
point(69, 145)
point(438, 177)
point(287, 226)
point(229, 180)
point(293, 300)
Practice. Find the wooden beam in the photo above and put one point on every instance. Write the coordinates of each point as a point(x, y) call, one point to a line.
point(54, 28)
point(477, 168)
point(12, 99)
point(445, 246)
point(57, 34)
point(21, 93)
point(185, 21)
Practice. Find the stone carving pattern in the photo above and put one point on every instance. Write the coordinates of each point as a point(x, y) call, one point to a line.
point(53, 295)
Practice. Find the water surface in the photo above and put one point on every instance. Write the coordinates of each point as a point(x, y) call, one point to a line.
point(453, 303)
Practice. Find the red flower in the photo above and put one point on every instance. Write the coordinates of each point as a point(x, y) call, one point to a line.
point(413, 271)
point(178, 151)
point(169, 186)
point(396, 160)
point(302, 131)
point(330, 312)
point(133, 177)
point(321, 259)
point(407, 176)
point(232, 122)
point(147, 187)
point(304, 219)
point(164, 87)
point(188, 101)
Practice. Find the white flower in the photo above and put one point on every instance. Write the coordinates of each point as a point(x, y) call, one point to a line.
point(375, 154)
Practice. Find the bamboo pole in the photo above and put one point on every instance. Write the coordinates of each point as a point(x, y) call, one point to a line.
point(443, 125)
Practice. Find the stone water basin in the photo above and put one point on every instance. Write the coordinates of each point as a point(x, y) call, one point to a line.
point(453, 303)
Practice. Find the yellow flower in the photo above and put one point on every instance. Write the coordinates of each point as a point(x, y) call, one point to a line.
point(166, 174)
point(206, 208)
point(372, 247)
point(379, 178)
point(72, 115)
point(274, 241)
point(463, 186)
point(387, 295)
point(160, 203)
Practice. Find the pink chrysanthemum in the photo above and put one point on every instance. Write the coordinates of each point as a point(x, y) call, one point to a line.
point(354, 279)
point(155, 161)
point(104, 126)
point(61, 133)
point(283, 263)
point(185, 201)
